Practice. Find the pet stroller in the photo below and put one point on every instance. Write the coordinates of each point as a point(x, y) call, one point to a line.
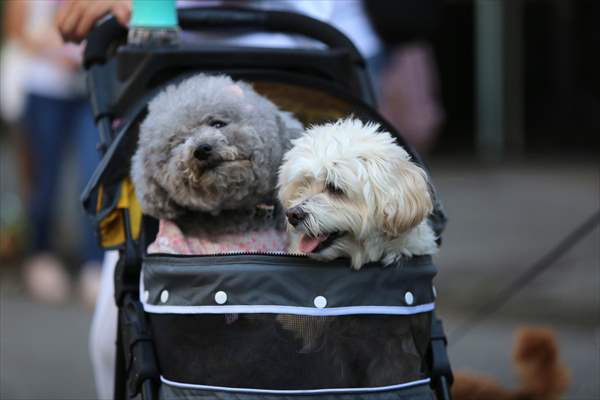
point(252, 326)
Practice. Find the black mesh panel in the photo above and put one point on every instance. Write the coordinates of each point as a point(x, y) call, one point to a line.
point(291, 352)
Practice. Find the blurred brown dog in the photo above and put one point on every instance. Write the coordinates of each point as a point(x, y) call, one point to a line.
point(542, 374)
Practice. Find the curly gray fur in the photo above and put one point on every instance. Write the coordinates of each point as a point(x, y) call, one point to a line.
point(217, 192)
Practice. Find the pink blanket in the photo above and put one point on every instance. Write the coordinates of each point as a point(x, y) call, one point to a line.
point(171, 240)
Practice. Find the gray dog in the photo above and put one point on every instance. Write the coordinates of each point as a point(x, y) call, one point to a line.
point(208, 155)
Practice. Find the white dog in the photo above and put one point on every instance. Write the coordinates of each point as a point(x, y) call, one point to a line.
point(350, 190)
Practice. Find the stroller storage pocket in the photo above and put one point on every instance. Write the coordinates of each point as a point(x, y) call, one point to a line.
point(254, 327)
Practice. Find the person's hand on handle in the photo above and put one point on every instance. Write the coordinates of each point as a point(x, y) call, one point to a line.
point(76, 18)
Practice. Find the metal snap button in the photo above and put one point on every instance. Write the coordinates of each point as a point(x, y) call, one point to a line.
point(164, 296)
point(320, 302)
point(220, 297)
point(409, 298)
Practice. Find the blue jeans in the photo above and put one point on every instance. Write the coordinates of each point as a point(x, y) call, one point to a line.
point(51, 124)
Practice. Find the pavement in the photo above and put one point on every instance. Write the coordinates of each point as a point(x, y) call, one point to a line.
point(43, 348)
point(503, 218)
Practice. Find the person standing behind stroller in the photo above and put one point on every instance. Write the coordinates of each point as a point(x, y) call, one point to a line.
point(56, 113)
point(408, 87)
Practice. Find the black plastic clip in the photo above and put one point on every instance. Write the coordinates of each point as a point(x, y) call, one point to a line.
point(441, 371)
point(140, 359)
point(127, 270)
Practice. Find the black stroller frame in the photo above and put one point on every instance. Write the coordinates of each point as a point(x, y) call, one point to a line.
point(151, 348)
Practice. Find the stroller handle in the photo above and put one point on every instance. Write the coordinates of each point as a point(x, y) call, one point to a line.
point(107, 33)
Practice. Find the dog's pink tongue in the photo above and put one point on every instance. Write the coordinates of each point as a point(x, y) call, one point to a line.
point(309, 243)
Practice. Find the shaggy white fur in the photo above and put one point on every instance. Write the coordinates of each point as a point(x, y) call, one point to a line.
point(350, 190)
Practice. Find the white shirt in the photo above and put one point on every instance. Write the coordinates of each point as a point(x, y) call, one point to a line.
point(346, 15)
point(43, 74)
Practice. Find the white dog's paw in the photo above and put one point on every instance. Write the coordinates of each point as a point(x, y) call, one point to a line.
point(391, 258)
point(421, 240)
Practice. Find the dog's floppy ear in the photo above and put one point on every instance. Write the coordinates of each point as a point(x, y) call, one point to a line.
point(289, 128)
point(404, 196)
point(154, 200)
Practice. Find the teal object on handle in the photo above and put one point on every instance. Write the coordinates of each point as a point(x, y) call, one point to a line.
point(154, 14)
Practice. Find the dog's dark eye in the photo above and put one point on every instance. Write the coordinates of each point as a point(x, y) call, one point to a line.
point(217, 123)
point(332, 189)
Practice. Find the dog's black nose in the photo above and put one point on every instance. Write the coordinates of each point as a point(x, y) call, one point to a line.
point(295, 215)
point(202, 152)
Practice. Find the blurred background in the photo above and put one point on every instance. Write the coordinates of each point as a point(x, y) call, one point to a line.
point(501, 97)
